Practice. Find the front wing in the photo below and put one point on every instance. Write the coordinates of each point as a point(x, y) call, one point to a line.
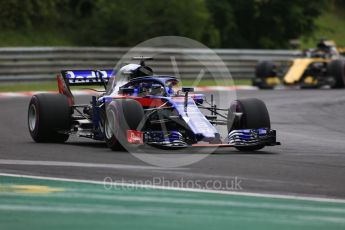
point(236, 138)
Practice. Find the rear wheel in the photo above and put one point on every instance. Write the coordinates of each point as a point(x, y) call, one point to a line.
point(251, 113)
point(265, 75)
point(121, 115)
point(336, 69)
point(49, 118)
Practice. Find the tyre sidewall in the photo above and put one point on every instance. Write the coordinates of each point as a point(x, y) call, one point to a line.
point(336, 69)
point(53, 117)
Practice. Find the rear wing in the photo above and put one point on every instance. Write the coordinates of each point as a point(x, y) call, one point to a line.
point(69, 78)
point(87, 77)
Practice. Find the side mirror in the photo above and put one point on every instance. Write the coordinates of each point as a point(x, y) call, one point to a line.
point(126, 91)
point(187, 89)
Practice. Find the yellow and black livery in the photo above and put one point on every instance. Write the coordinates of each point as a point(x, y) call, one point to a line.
point(322, 66)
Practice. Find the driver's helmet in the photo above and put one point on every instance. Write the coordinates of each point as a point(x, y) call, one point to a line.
point(172, 86)
point(328, 47)
point(150, 88)
point(322, 45)
point(325, 45)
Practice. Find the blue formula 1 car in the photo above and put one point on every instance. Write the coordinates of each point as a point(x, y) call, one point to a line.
point(140, 108)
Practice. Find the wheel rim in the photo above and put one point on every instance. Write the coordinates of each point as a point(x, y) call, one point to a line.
point(235, 112)
point(108, 131)
point(32, 117)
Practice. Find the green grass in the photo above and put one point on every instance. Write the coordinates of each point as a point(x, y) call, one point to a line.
point(40, 204)
point(46, 86)
point(39, 86)
point(52, 85)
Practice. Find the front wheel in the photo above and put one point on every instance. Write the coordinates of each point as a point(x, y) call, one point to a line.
point(248, 113)
point(107, 130)
point(120, 116)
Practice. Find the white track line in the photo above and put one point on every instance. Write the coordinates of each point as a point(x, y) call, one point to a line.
point(79, 164)
point(249, 194)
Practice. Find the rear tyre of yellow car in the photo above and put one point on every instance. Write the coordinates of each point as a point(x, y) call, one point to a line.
point(265, 75)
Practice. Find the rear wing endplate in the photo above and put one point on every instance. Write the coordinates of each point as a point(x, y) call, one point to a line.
point(69, 78)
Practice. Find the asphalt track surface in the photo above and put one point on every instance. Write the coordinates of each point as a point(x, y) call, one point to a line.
point(310, 161)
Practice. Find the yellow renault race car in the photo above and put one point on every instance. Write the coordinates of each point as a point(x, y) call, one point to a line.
point(322, 66)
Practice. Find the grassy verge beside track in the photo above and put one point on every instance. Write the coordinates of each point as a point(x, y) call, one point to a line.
point(52, 85)
point(51, 204)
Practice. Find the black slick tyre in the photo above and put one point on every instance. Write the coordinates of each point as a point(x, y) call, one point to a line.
point(49, 118)
point(254, 115)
